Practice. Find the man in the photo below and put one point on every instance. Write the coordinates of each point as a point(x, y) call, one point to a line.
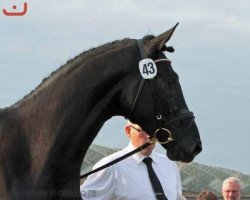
point(231, 189)
point(129, 179)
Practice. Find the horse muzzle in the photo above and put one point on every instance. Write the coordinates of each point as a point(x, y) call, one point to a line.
point(187, 154)
point(180, 138)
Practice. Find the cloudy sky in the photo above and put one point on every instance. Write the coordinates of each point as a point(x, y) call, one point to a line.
point(212, 58)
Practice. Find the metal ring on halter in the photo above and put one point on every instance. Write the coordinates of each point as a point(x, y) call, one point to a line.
point(170, 138)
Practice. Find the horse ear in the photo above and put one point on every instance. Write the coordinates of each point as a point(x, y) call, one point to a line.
point(158, 43)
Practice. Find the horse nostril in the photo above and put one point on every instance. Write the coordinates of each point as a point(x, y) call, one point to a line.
point(197, 149)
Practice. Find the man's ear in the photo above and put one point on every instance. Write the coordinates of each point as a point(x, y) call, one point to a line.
point(127, 130)
point(158, 43)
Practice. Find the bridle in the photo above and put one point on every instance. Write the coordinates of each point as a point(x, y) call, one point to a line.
point(157, 107)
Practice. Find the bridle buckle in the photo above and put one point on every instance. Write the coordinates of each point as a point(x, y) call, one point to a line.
point(169, 139)
point(159, 117)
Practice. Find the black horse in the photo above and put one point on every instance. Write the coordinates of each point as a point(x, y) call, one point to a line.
point(44, 136)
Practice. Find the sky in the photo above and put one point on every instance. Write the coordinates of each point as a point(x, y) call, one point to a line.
point(211, 57)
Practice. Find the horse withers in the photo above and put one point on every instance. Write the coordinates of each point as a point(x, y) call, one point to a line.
point(45, 135)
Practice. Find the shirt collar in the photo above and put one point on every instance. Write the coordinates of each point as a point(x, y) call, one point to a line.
point(138, 157)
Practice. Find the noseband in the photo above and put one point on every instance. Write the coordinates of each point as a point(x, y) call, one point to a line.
point(157, 107)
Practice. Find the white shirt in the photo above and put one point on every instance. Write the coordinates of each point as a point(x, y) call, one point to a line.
point(129, 180)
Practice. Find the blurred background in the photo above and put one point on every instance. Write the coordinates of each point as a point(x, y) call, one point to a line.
point(212, 46)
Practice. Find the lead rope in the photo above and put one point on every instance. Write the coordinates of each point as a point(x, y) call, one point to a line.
point(140, 148)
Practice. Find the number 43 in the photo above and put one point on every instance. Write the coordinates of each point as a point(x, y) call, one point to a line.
point(147, 68)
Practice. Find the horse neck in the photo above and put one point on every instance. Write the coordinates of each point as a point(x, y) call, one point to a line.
point(63, 116)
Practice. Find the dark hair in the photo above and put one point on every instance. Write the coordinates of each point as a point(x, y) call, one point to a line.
point(206, 195)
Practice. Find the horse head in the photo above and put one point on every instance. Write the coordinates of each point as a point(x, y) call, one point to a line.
point(156, 101)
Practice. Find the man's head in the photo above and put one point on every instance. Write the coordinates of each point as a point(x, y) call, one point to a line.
point(138, 137)
point(231, 189)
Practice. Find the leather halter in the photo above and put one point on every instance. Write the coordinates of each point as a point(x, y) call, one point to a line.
point(158, 108)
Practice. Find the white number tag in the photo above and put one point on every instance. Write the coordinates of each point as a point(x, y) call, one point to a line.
point(147, 68)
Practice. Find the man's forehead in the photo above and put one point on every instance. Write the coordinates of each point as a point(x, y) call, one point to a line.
point(231, 185)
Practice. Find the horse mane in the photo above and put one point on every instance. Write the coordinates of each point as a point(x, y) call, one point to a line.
point(72, 62)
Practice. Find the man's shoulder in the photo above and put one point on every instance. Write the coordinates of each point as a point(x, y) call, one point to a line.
point(110, 158)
